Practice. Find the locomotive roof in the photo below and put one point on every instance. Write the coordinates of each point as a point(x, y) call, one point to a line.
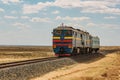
point(64, 27)
point(70, 28)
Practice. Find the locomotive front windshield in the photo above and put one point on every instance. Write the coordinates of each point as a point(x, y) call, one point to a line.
point(57, 32)
point(62, 32)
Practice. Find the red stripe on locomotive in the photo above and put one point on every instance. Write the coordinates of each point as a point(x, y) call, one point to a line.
point(70, 40)
point(63, 54)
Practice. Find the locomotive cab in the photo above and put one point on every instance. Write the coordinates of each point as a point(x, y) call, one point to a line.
point(62, 41)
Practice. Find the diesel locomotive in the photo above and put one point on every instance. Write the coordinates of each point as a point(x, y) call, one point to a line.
point(69, 41)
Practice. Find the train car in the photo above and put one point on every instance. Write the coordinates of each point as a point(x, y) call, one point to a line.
point(68, 41)
point(95, 44)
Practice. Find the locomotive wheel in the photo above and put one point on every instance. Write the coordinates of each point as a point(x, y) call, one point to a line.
point(87, 50)
point(96, 51)
point(78, 50)
point(75, 51)
point(91, 51)
point(82, 50)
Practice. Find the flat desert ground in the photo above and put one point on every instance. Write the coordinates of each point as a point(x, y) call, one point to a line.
point(103, 66)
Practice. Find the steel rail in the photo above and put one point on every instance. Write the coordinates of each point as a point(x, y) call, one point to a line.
point(18, 63)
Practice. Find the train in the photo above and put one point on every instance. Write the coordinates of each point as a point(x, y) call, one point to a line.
point(68, 41)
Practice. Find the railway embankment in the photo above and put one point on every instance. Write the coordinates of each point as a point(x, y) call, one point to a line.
point(25, 72)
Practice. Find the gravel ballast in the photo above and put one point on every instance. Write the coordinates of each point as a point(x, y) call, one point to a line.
point(25, 72)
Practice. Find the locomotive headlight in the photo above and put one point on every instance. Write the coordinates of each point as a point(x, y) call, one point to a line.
point(54, 46)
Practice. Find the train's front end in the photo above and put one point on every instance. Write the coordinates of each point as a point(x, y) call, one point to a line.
point(62, 41)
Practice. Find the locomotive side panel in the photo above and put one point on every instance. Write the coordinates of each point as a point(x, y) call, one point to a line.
point(77, 40)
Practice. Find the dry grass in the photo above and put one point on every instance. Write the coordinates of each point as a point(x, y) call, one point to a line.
point(111, 69)
point(89, 78)
point(109, 48)
point(17, 53)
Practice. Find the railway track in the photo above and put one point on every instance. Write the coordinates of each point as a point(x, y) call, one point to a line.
point(18, 63)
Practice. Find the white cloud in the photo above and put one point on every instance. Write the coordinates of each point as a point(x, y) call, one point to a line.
point(108, 26)
point(10, 1)
point(13, 12)
point(2, 10)
point(100, 6)
point(37, 19)
point(104, 10)
point(93, 6)
point(91, 24)
point(10, 17)
point(58, 18)
point(20, 25)
point(56, 12)
point(109, 17)
point(72, 18)
point(67, 3)
point(44, 13)
point(25, 17)
point(28, 9)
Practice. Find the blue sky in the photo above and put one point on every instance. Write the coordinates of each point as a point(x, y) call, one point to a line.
point(30, 22)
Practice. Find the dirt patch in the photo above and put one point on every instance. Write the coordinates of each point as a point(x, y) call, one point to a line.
point(89, 67)
point(112, 74)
